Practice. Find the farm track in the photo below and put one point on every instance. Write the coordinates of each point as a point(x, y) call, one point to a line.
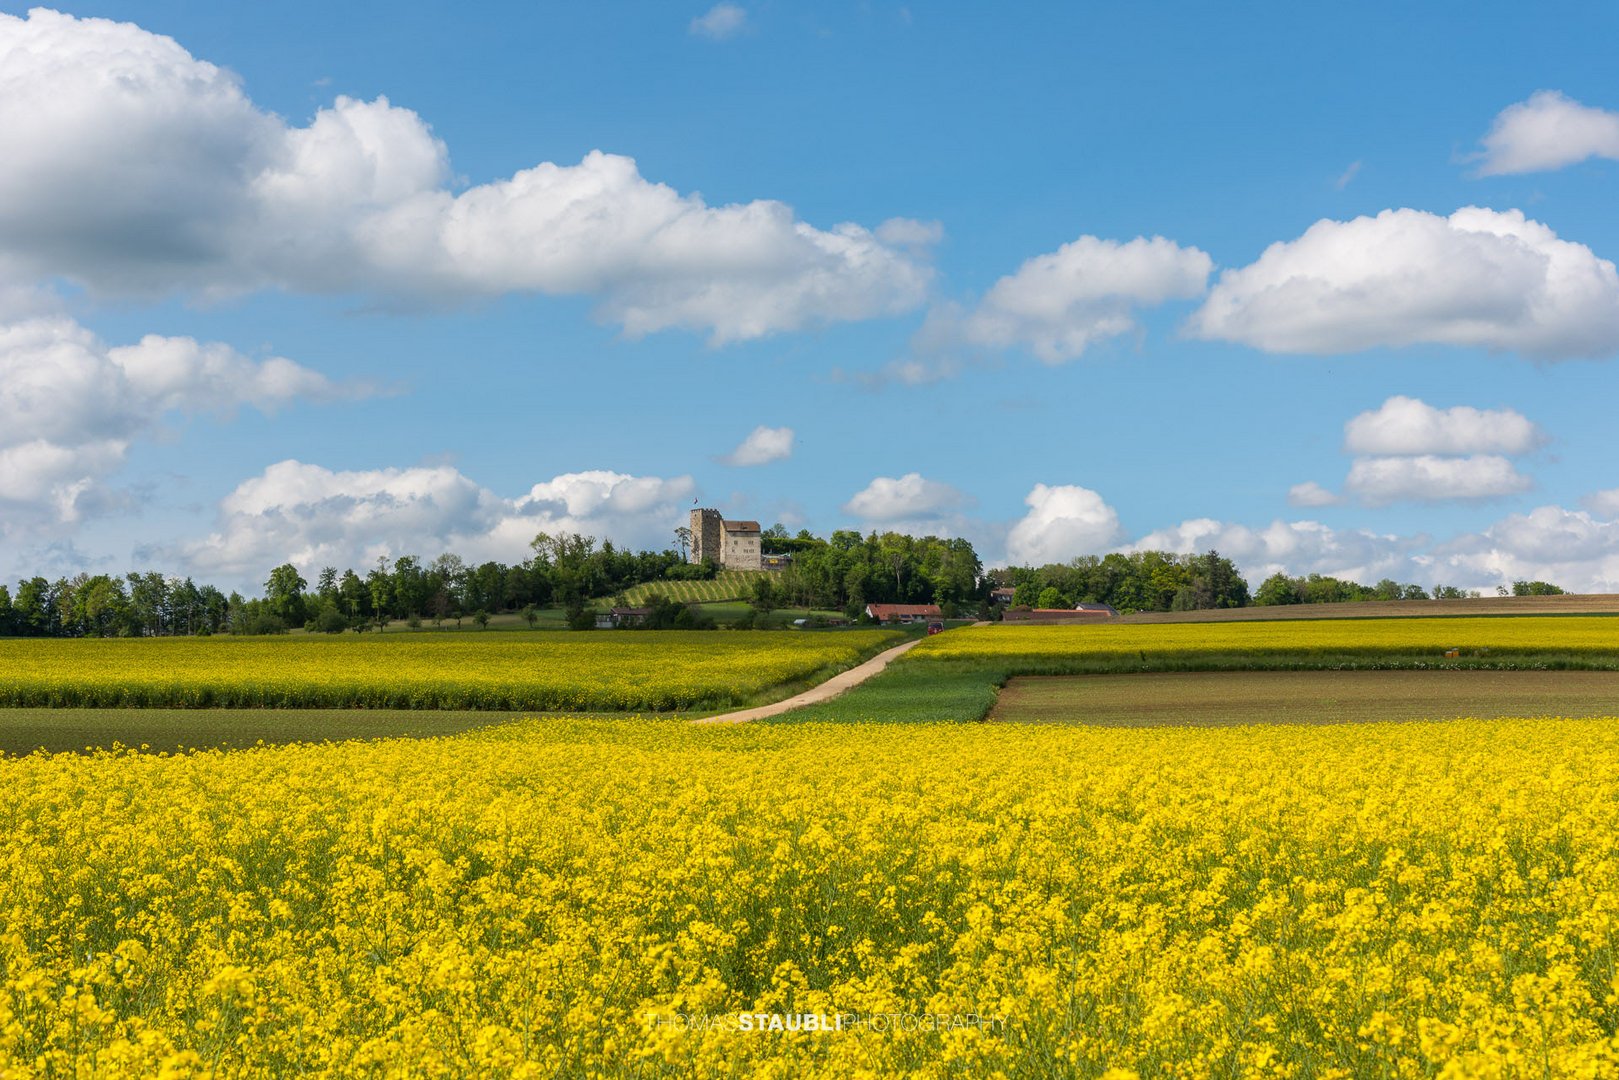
point(834, 686)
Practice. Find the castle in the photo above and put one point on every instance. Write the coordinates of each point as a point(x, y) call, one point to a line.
point(732, 545)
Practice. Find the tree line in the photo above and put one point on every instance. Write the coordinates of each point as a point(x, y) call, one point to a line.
point(843, 572)
point(1321, 589)
point(1163, 581)
point(1130, 582)
point(565, 570)
point(848, 571)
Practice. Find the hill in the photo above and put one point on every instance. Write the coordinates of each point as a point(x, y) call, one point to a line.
point(726, 585)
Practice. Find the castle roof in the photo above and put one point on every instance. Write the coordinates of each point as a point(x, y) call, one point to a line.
point(742, 526)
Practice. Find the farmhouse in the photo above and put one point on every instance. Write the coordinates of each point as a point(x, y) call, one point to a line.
point(620, 617)
point(1081, 613)
point(904, 613)
point(732, 545)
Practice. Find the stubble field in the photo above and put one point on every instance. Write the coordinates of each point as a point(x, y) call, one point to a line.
point(1230, 698)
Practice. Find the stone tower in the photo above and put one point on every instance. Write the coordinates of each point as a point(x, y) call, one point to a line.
point(707, 532)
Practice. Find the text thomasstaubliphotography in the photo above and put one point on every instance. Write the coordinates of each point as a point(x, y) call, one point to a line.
point(827, 1023)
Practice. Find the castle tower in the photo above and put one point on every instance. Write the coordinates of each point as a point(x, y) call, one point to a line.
point(707, 529)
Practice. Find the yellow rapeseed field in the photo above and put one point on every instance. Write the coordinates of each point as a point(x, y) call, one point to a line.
point(1303, 639)
point(607, 671)
point(593, 898)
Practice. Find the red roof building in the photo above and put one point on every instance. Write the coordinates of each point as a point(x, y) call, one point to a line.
point(904, 613)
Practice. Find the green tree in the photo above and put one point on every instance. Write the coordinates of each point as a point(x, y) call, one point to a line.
point(379, 586)
point(102, 606)
point(185, 606)
point(439, 606)
point(566, 558)
point(486, 587)
point(284, 595)
point(764, 595)
point(409, 587)
point(1276, 590)
point(149, 602)
point(326, 618)
point(352, 596)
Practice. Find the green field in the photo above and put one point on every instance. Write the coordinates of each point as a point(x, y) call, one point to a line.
point(1222, 698)
point(908, 693)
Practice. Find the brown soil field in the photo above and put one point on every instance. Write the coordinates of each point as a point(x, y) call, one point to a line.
point(1568, 604)
point(1224, 698)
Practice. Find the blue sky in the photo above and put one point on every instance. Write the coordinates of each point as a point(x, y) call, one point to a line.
point(1330, 291)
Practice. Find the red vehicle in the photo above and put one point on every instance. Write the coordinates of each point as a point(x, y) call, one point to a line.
point(935, 628)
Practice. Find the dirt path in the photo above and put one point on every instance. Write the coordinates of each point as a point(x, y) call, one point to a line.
point(834, 686)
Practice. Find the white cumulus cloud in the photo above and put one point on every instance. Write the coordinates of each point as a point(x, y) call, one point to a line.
point(1576, 549)
point(1063, 521)
point(1494, 280)
point(1294, 548)
point(1404, 425)
point(762, 446)
point(70, 406)
point(1549, 131)
point(907, 498)
point(1058, 304)
point(1605, 503)
point(313, 516)
point(1570, 548)
point(131, 167)
point(720, 22)
point(1311, 493)
point(1430, 478)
